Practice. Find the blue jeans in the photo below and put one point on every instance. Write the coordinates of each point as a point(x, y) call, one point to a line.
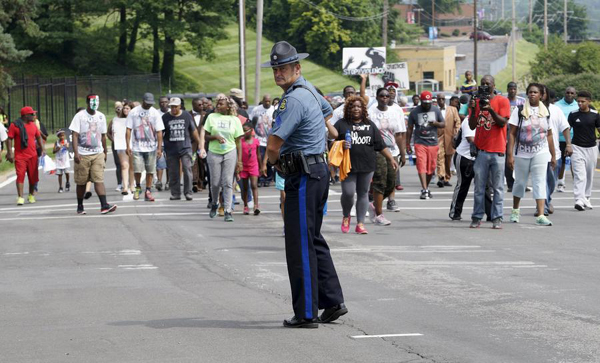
point(488, 165)
point(551, 179)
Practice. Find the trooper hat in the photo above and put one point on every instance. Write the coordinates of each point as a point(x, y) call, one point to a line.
point(283, 53)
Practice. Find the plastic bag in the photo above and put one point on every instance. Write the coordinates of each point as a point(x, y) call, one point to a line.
point(49, 165)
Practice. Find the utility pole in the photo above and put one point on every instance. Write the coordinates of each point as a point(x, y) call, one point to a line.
point(475, 40)
point(514, 42)
point(502, 10)
point(259, 25)
point(546, 24)
point(384, 29)
point(242, 25)
point(432, 13)
point(565, 25)
point(530, 14)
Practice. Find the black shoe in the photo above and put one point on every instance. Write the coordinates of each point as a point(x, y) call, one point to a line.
point(333, 313)
point(456, 218)
point(447, 184)
point(109, 208)
point(440, 184)
point(67, 187)
point(294, 322)
point(174, 198)
point(80, 210)
point(87, 195)
point(195, 189)
point(158, 186)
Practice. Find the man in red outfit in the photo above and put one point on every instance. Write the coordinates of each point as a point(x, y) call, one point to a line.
point(24, 133)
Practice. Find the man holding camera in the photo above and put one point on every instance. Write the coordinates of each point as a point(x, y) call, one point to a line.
point(488, 114)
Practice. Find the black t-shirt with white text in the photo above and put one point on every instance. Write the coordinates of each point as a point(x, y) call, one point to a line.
point(178, 133)
point(584, 125)
point(366, 141)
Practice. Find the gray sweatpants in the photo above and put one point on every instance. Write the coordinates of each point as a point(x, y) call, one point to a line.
point(583, 162)
point(174, 175)
point(221, 172)
point(356, 183)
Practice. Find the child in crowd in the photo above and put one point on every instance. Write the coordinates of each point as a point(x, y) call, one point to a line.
point(250, 170)
point(61, 151)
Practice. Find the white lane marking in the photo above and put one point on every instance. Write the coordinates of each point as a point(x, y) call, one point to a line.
point(138, 267)
point(8, 181)
point(386, 335)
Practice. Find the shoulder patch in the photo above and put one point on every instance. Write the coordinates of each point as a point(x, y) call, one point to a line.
point(283, 104)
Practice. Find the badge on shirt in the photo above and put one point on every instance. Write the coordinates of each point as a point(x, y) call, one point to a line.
point(283, 104)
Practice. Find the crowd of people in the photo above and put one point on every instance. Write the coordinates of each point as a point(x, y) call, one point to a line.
point(479, 135)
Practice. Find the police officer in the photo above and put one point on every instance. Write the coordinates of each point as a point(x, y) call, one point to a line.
point(296, 148)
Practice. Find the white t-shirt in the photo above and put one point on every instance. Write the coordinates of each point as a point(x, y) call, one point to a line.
point(337, 114)
point(90, 129)
point(559, 123)
point(533, 137)
point(119, 130)
point(464, 148)
point(144, 125)
point(3, 134)
point(264, 122)
point(62, 156)
point(389, 123)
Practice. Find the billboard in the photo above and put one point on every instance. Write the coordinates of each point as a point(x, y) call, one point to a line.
point(363, 60)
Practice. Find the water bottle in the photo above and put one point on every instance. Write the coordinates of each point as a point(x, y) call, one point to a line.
point(223, 145)
point(568, 161)
point(349, 139)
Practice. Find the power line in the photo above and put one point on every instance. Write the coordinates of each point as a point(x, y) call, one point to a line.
point(344, 17)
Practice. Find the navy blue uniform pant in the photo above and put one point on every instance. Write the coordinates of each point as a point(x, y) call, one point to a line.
point(313, 278)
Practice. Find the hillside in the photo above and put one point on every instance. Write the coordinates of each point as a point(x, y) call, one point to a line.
point(222, 73)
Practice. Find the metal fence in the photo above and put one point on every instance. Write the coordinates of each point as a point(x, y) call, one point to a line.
point(56, 99)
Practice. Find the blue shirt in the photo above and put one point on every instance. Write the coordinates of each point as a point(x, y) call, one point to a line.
point(566, 108)
point(300, 119)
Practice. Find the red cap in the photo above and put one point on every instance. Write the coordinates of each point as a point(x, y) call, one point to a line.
point(426, 97)
point(391, 84)
point(28, 110)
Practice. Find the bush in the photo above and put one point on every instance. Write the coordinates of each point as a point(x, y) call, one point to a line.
point(583, 81)
point(455, 32)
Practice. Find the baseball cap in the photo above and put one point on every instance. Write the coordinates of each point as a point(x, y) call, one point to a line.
point(426, 97)
point(148, 98)
point(175, 101)
point(236, 92)
point(28, 110)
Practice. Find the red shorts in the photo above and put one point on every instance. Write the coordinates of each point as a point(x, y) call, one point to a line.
point(426, 158)
point(29, 166)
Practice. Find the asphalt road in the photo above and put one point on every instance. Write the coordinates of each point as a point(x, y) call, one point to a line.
point(161, 282)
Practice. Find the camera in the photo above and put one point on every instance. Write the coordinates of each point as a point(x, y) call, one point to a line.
point(483, 95)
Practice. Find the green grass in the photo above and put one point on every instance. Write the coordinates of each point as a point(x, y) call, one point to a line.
point(526, 52)
point(222, 73)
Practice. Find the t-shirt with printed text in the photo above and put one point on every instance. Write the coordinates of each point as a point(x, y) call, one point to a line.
point(90, 129)
point(533, 135)
point(144, 125)
point(389, 123)
point(264, 122)
point(178, 133)
point(366, 142)
point(229, 127)
point(425, 133)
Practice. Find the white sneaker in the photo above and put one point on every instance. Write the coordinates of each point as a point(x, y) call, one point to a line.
point(372, 214)
point(560, 188)
point(119, 188)
point(382, 221)
point(587, 203)
point(353, 211)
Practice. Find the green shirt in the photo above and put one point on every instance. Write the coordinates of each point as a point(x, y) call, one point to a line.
point(229, 127)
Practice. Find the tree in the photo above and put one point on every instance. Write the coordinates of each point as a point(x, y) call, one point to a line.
point(577, 21)
point(13, 15)
point(441, 6)
point(561, 59)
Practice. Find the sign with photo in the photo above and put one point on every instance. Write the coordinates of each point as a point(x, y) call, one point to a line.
point(363, 60)
point(394, 72)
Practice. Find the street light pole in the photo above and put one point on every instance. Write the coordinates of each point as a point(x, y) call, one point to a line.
point(259, 26)
point(242, 25)
point(514, 43)
point(565, 25)
point(384, 29)
point(475, 40)
point(546, 24)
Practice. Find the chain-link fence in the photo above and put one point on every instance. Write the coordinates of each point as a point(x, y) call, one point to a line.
point(56, 99)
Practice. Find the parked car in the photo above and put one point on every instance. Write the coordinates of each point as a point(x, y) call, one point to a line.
point(481, 35)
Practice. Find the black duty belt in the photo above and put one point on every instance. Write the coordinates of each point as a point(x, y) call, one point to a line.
point(298, 162)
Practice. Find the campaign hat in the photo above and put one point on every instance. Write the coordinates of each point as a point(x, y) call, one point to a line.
point(283, 53)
